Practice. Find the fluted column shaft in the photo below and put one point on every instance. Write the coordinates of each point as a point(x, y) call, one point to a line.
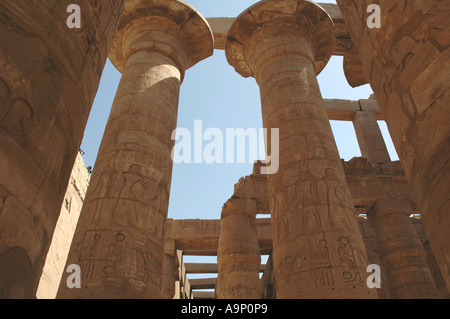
point(401, 251)
point(49, 75)
point(238, 254)
point(407, 64)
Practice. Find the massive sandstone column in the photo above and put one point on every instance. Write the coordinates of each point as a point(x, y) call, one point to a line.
point(318, 251)
point(49, 75)
point(119, 239)
point(407, 62)
point(401, 251)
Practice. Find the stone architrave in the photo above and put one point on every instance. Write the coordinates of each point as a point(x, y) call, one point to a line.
point(119, 239)
point(401, 251)
point(318, 251)
point(49, 75)
point(407, 63)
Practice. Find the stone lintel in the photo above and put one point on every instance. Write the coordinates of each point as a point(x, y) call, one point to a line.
point(344, 110)
point(201, 237)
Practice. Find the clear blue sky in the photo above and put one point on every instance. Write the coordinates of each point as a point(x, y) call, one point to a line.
point(214, 93)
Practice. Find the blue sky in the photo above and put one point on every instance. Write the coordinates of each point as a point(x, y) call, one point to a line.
point(214, 93)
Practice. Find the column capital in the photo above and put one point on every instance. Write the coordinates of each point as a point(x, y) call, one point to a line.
point(171, 27)
point(300, 27)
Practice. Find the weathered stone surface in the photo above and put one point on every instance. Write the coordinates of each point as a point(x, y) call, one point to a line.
point(353, 69)
point(407, 64)
point(65, 228)
point(221, 26)
point(49, 75)
point(238, 253)
point(441, 285)
point(200, 237)
point(370, 139)
point(373, 255)
point(401, 251)
point(169, 272)
point(124, 244)
point(119, 238)
point(318, 251)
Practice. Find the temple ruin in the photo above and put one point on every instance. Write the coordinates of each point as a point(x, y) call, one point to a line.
point(320, 220)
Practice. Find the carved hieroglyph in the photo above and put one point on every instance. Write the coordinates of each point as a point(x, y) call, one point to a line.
point(318, 251)
point(407, 62)
point(119, 239)
point(401, 251)
point(49, 75)
point(238, 255)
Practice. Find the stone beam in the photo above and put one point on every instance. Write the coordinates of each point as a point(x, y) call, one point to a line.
point(203, 283)
point(203, 295)
point(207, 268)
point(220, 27)
point(345, 110)
point(201, 237)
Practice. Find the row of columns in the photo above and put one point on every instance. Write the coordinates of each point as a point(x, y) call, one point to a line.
point(318, 249)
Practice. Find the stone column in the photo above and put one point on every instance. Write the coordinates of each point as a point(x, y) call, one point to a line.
point(169, 273)
point(401, 251)
point(119, 239)
point(373, 255)
point(49, 75)
point(238, 255)
point(318, 251)
point(369, 137)
point(407, 62)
